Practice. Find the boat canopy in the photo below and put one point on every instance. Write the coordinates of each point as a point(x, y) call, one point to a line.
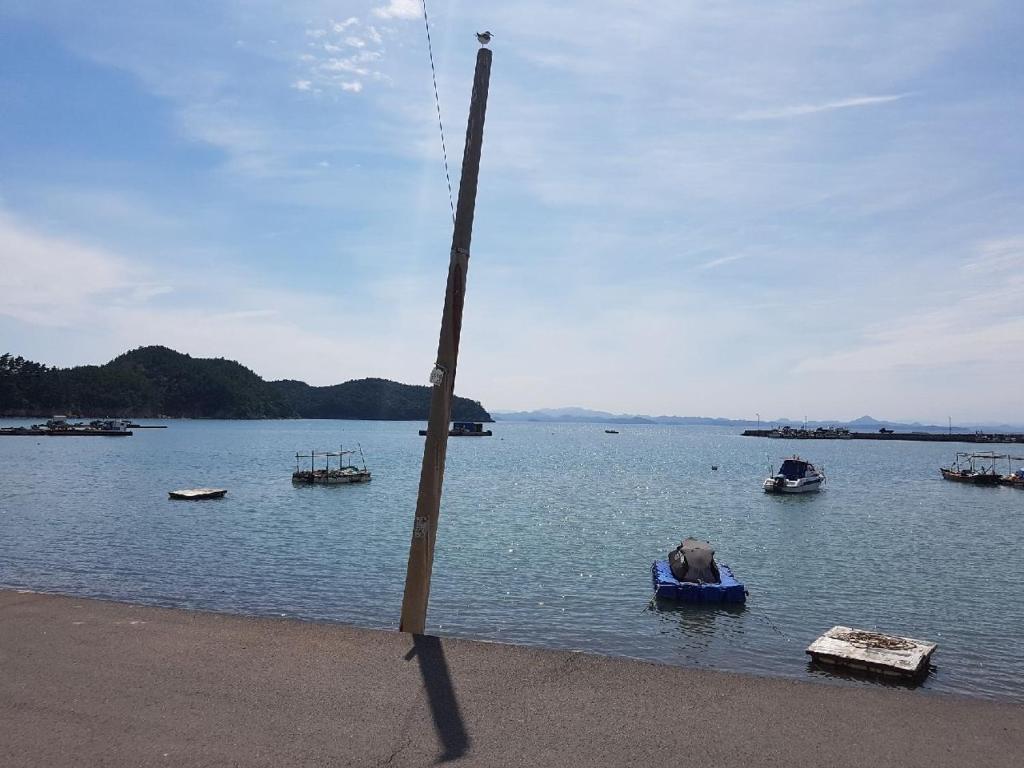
point(794, 469)
point(694, 561)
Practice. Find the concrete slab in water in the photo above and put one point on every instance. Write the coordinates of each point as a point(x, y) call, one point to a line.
point(872, 651)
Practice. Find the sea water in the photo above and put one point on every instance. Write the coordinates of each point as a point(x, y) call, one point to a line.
point(546, 537)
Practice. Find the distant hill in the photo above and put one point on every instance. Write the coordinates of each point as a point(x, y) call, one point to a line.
point(863, 424)
point(571, 415)
point(152, 381)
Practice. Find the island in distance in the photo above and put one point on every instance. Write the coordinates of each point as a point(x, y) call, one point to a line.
point(156, 381)
point(864, 423)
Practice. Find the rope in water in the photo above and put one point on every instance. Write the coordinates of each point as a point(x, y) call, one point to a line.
point(757, 613)
point(762, 615)
point(437, 103)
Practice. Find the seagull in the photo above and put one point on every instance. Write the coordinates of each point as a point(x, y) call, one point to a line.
point(484, 37)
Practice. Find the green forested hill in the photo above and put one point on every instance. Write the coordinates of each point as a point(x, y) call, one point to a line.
point(152, 381)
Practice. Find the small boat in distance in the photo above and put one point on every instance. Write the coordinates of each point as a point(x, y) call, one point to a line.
point(970, 468)
point(611, 431)
point(795, 476)
point(343, 474)
point(197, 494)
point(465, 429)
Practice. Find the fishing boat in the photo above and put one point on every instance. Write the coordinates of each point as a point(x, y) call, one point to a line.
point(690, 574)
point(1015, 479)
point(611, 431)
point(795, 476)
point(465, 429)
point(970, 468)
point(343, 474)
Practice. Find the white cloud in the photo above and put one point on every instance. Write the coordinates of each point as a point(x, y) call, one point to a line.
point(364, 45)
point(399, 9)
point(973, 317)
point(721, 261)
point(998, 255)
point(344, 65)
point(302, 85)
point(56, 282)
point(341, 26)
point(800, 110)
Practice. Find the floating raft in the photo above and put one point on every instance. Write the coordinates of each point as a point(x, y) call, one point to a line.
point(728, 590)
point(195, 494)
point(873, 652)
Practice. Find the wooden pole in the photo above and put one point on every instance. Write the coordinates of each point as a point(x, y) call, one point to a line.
point(428, 502)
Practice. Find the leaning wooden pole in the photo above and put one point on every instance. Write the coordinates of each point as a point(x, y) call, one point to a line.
point(428, 502)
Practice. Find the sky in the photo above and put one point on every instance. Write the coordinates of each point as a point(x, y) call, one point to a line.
point(797, 209)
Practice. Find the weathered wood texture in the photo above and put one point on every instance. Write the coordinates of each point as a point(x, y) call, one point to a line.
point(872, 651)
point(428, 502)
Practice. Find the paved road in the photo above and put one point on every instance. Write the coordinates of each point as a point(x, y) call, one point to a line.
point(92, 683)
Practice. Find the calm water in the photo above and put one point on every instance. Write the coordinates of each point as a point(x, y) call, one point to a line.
point(547, 535)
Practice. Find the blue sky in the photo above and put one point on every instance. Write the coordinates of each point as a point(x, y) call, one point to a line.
point(704, 208)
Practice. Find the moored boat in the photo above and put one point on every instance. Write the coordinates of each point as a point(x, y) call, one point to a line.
point(465, 429)
point(970, 468)
point(1016, 479)
point(343, 474)
point(690, 574)
point(795, 476)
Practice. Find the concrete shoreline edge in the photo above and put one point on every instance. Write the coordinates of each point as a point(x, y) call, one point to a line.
point(94, 682)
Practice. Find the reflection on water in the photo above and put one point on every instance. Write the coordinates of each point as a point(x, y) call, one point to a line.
point(701, 626)
point(546, 537)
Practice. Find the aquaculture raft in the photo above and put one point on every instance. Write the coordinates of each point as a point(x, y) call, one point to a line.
point(344, 474)
point(873, 652)
point(728, 590)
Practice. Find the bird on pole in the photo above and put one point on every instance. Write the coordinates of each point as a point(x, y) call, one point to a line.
point(484, 37)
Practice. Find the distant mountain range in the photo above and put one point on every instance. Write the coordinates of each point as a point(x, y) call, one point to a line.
point(157, 381)
point(864, 423)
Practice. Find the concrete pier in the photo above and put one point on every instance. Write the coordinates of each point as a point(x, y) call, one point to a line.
point(93, 683)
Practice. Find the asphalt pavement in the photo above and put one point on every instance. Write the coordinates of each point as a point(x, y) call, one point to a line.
point(94, 683)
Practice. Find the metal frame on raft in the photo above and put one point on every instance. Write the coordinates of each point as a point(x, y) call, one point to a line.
point(989, 476)
point(342, 475)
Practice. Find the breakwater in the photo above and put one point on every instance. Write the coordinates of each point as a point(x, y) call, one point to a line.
point(921, 437)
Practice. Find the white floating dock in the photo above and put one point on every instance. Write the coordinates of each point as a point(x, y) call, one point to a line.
point(872, 651)
point(194, 494)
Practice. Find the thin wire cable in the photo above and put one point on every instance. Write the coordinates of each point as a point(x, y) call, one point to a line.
point(437, 103)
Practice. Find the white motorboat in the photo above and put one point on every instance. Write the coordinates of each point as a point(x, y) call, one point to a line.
point(795, 476)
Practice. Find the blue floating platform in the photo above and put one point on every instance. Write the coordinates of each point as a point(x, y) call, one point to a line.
point(729, 590)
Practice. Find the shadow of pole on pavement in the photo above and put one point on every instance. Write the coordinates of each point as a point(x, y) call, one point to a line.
point(444, 707)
